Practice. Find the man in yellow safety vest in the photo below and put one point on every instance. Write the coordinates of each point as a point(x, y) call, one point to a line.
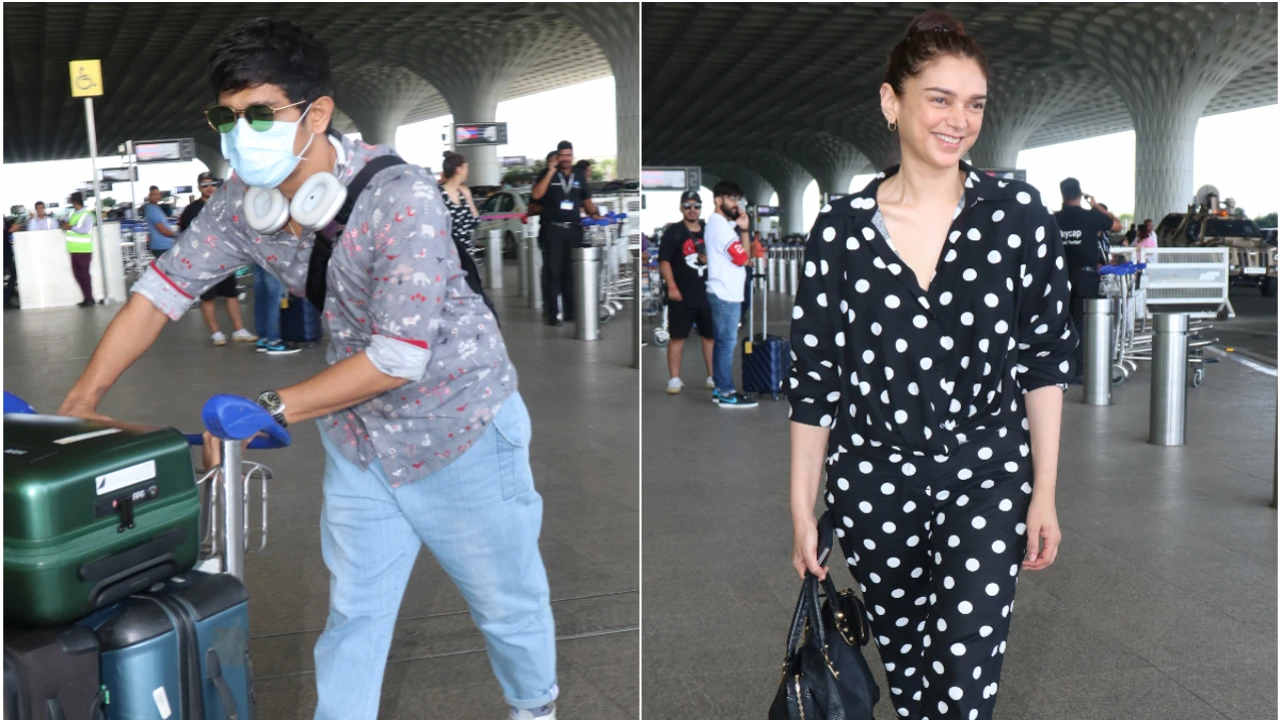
point(80, 245)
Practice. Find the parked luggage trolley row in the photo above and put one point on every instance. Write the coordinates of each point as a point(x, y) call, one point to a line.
point(105, 618)
point(1131, 335)
point(617, 277)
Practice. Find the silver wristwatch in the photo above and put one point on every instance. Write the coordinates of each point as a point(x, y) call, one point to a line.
point(270, 401)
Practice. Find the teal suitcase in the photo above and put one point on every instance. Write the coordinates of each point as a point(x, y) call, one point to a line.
point(92, 513)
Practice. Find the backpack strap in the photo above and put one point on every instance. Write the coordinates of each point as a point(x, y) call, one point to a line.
point(318, 265)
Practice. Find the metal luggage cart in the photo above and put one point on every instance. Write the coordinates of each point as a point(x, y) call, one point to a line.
point(1132, 336)
point(654, 289)
point(617, 273)
point(226, 489)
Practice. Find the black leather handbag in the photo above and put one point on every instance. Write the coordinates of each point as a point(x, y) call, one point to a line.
point(824, 676)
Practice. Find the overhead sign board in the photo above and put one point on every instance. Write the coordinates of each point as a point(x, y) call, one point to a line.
point(767, 210)
point(514, 161)
point(486, 133)
point(172, 150)
point(86, 78)
point(117, 174)
point(671, 178)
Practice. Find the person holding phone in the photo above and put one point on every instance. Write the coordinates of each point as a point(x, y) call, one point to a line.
point(931, 346)
point(564, 196)
point(726, 242)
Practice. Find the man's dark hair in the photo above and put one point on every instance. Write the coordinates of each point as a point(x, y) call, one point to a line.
point(274, 51)
point(153, 187)
point(77, 198)
point(39, 203)
point(1070, 188)
point(552, 156)
point(725, 188)
point(564, 145)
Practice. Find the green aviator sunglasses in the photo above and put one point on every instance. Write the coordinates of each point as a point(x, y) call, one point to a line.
point(260, 117)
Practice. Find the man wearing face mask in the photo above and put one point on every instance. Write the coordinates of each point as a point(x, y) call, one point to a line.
point(426, 437)
point(726, 240)
point(564, 195)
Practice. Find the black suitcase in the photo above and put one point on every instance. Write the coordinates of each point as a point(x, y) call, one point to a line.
point(300, 321)
point(52, 673)
point(766, 358)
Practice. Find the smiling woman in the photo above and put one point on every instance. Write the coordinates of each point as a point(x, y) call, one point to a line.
point(931, 343)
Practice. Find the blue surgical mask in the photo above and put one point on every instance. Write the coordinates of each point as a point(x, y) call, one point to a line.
point(264, 158)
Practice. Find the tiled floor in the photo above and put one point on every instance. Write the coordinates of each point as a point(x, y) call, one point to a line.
point(582, 399)
point(1162, 603)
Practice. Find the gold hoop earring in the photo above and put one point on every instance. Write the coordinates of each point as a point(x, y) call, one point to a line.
point(893, 126)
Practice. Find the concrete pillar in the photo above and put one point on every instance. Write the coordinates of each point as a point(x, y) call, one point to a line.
point(1167, 79)
point(864, 128)
point(616, 29)
point(789, 179)
point(378, 98)
point(1019, 105)
point(832, 161)
point(756, 188)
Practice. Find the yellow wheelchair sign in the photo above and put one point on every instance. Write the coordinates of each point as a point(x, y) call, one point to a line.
point(86, 78)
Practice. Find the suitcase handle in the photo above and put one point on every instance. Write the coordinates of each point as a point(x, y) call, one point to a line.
point(213, 673)
point(133, 576)
point(114, 567)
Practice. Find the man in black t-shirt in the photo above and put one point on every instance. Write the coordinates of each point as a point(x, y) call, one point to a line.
point(1084, 242)
point(208, 185)
point(563, 194)
point(682, 260)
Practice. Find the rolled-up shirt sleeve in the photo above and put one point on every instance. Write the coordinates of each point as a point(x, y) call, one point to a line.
point(415, 264)
point(816, 337)
point(206, 252)
point(1046, 337)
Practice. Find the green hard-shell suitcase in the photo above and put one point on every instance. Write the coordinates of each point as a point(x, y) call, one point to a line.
point(92, 513)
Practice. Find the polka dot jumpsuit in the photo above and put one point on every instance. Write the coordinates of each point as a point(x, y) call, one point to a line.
point(928, 468)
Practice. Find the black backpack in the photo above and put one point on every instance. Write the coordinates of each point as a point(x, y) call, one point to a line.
point(318, 267)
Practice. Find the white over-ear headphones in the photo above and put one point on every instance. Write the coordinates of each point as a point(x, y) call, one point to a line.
point(314, 206)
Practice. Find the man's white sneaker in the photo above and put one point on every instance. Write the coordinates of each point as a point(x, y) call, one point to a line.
point(710, 384)
point(218, 338)
point(546, 712)
point(674, 386)
point(243, 335)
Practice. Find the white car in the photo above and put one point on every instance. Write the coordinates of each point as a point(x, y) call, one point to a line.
point(503, 211)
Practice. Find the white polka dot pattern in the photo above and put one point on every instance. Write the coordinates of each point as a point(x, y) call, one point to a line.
point(929, 471)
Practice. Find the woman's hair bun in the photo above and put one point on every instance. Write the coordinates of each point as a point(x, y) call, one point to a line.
point(935, 21)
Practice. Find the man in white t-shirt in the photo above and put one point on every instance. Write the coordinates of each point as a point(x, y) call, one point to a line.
point(726, 277)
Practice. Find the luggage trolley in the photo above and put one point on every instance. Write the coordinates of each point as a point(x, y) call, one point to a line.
point(655, 304)
point(1131, 336)
point(225, 489)
point(616, 275)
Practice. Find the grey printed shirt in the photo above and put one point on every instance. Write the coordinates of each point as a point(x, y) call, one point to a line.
point(396, 291)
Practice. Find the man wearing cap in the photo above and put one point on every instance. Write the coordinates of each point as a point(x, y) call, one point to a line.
point(682, 260)
point(226, 288)
point(1084, 239)
point(563, 194)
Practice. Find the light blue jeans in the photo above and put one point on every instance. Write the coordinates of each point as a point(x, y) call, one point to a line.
point(267, 292)
point(724, 321)
point(480, 517)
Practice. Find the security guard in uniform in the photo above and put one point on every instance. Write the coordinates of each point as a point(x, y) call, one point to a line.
point(80, 245)
point(563, 194)
point(1084, 240)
